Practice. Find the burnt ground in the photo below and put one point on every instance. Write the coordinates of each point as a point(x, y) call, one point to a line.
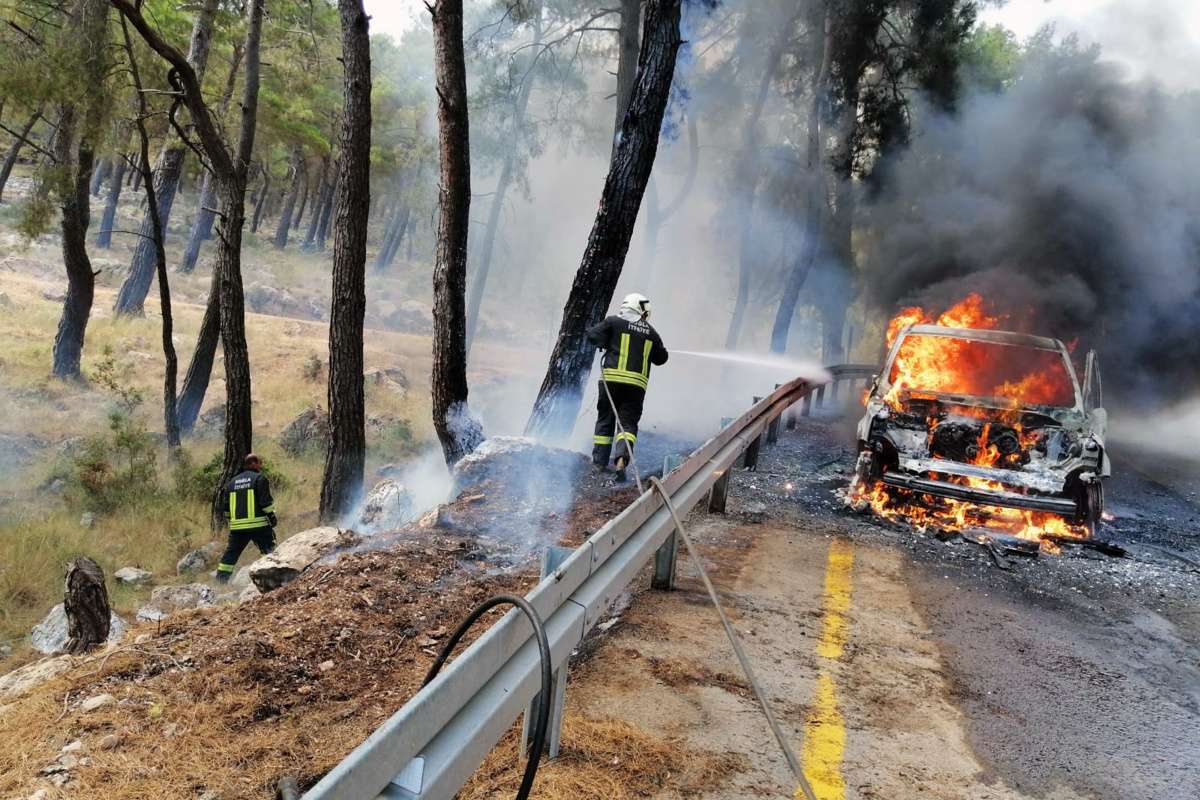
point(1079, 671)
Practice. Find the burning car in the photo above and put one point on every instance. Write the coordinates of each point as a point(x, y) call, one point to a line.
point(973, 427)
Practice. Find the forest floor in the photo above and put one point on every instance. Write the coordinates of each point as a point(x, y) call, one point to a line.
point(47, 425)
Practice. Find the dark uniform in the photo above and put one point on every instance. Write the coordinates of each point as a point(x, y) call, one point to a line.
point(251, 513)
point(630, 346)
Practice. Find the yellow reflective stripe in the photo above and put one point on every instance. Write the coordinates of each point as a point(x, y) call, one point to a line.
point(232, 505)
point(626, 436)
point(269, 509)
point(224, 567)
point(250, 511)
point(602, 440)
point(623, 376)
point(244, 524)
point(646, 359)
point(623, 361)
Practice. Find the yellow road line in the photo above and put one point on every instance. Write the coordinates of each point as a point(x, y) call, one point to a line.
point(825, 730)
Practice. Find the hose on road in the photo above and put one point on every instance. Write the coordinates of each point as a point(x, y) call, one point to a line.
point(789, 755)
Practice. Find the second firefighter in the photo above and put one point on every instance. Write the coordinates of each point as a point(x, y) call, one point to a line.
point(630, 347)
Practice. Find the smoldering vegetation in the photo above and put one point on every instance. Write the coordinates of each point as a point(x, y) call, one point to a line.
point(1069, 201)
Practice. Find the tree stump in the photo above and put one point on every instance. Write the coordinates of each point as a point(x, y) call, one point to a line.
point(86, 604)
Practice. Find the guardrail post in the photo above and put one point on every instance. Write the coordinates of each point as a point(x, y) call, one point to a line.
point(670, 462)
point(833, 392)
point(750, 457)
point(806, 404)
point(820, 399)
point(719, 494)
point(664, 565)
point(773, 425)
point(552, 559)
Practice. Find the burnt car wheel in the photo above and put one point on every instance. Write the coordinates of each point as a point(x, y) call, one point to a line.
point(1090, 499)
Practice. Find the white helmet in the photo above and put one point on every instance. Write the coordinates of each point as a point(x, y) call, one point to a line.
point(637, 303)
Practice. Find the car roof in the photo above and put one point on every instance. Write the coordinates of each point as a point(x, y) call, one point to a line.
point(999, 337)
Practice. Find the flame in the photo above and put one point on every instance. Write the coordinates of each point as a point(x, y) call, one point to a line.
point(1014, 376)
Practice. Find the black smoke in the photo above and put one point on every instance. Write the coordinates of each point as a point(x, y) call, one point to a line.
point(1072, 202)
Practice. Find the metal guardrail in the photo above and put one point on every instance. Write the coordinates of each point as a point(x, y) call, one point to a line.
point(430, 747)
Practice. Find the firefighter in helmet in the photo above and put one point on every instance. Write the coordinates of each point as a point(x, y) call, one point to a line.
point(630, 346)
point(251, 513)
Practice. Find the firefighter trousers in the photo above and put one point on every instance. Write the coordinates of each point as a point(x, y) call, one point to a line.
point(628, 400)
point(263, 538)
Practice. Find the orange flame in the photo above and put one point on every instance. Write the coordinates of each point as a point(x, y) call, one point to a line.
point(1015, 376)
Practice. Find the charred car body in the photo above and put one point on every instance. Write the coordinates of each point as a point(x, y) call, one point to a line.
point(986, 417)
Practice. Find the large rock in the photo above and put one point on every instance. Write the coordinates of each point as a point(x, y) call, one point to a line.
point(309, 430)
point(167, 599)
point(390, 378)
point(410, 317)
point(132, 576)
point(262, 299)
point(198, 560)
point(298, 554)
point(27, 677)
point(388, 506)
point(50, 635)
point(212, 421)
point(520, 465)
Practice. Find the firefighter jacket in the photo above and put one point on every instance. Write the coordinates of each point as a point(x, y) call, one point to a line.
point(250, 505)
point(631, 346)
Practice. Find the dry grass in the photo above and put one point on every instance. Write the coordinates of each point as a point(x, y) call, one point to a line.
point(604, 759)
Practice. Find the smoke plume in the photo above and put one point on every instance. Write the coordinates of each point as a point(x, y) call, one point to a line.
point(1070, 201)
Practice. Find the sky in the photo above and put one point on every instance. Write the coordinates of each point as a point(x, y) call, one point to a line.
point(1153, 38)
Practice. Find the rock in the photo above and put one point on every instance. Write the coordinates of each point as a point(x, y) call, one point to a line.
point(27, 677)
point(263, 299)
point(325, 666)
point(198, 560)
point(110, 742)
point(410, 317)
point(87, 520)
point(542, 470)
point(297, 554)
point(167, 599)
point(5, 301)
point(390, 378)
point(133, 576)
point(209, 794)
point(309, 429)
point(212, 421)
point(5, 650)
point(388, 506)
point(54, 296)
point(249, 593)
point(96, 701)
point(50, 635)
point(142, 638)
point(40, 794)
point(72, 747)
point(56, 486)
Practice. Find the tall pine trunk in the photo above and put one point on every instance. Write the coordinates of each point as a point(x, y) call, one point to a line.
point(347, 435)
point(74, 150)
point(557, 403)
point(746, 174)
point(289, 203)
point(132, 296)
point(324, 198)
point(327, 208)
point(260, 203)
point(816, 202)
point(458, 432)
point(14, 151)
point(507, 171)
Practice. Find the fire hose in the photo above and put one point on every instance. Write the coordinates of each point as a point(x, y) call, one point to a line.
point(543, 716)
point(789, 755)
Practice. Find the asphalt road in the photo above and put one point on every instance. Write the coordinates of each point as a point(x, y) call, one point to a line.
point(1076, 675)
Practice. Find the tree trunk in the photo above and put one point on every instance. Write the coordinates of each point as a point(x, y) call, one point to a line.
point(299, 214)
point(14, 151)
point(199, 373)
point(100, 175)
point(516, 123)
point(746, 176)
point(458, 431)
point(324, 198)
point(627, 60)
point(392, 233)
point(810, 244)
point(656, 217)
point(104, 237)
point(289, 203)
point(74, 150)
point(167, 173)
point(203, 225)
point(85, 602)
point(342, 482)
point(557, 403)
point(327, 209)
point(261, 203)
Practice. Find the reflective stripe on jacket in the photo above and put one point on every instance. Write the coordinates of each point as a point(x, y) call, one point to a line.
point(249, 501)
point(630, 346)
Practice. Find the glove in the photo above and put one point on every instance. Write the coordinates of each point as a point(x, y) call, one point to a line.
point(271, 518)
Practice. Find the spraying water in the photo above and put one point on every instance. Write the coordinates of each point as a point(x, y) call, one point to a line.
point(794, 368)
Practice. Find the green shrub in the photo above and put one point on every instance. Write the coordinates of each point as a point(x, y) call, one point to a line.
point(116, 469)
point(312, 368)
point(199, 483)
